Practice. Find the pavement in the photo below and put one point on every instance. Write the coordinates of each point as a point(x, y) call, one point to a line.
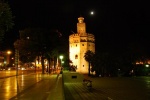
point(109, 88)
point(57, 93)
point(74, 89)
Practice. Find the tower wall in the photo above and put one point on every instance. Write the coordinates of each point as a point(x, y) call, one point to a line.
point(79, 43)
point(74, 50)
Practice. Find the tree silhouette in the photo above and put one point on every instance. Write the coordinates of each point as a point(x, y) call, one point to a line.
point(88, 57)
point(38, 42)
point(6, 20)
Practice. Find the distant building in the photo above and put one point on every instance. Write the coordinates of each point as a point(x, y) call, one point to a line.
point(79, 43)
point(4, 59)
point(1, 61)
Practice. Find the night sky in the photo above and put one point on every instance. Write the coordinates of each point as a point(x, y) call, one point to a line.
point(116, 24)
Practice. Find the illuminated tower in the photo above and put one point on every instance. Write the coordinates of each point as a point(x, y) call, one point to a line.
point(79, 43)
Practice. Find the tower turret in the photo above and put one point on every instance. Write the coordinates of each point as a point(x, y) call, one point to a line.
point(81, 26)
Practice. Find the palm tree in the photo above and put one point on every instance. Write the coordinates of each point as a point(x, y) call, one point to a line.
point(88, 57)
point(52, 56)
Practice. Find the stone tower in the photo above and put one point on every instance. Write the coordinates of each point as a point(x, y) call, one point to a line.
point(79, 43)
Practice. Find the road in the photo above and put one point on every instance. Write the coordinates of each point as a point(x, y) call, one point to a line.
point(31, 87)
point(7, 73)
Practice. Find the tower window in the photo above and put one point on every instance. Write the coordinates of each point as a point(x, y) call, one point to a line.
point(83, 65)
point(82, 44)
point(76, 56)
point(76, 45)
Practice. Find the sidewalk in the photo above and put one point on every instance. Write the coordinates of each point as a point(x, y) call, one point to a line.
point(57, 93)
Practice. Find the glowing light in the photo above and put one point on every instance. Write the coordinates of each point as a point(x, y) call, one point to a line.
point(8, 52)
point(62, 62)
point(61, 57)
point(146, 65)
point(92, 13)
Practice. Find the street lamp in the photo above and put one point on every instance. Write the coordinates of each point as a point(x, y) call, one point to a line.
point(8, 56)
point(16, 60)
point(61, 57)
point(147, 65)
point(8, 52)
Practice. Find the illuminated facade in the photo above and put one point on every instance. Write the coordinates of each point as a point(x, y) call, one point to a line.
point(79, 43)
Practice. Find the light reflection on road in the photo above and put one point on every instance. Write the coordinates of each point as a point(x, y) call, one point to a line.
point(38, 77)
point(10, 87)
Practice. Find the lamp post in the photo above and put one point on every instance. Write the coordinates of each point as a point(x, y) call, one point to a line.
point(16, 60)
point(8, 57)
point(61, 57)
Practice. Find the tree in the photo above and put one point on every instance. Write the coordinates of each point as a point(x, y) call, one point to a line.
point(6, 19)
point(52, 56)
point(39, 42)
point(96, 64)
point(88, 57)
point(104, 64)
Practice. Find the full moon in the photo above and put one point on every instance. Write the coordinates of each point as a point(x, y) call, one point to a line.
point(92, 13)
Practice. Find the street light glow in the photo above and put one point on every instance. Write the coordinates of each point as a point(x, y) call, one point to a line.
point(61, 57)
point(8, 52)
point(147, 65)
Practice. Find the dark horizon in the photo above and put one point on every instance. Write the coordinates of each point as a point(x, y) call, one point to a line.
point(116, 25)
